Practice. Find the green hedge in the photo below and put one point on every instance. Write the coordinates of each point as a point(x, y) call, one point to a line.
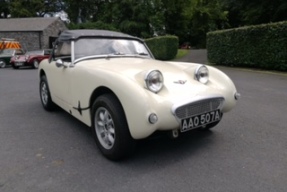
point(261, 46)
point(92, 25)
point(163, 47)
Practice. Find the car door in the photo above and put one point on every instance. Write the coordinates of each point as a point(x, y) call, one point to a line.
point(60, 75)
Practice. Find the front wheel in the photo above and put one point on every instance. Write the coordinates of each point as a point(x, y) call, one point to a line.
point(2, 64)
point(45, 95)
point(110, 128)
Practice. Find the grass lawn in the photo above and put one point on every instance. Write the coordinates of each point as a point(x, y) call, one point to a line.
point(181, 53)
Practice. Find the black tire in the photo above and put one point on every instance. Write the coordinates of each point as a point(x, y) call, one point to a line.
point(110, 128)
point(45, 95)
point(15, 67)
point(2, 63)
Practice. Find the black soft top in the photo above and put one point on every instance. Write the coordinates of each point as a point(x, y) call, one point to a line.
point(69, 35)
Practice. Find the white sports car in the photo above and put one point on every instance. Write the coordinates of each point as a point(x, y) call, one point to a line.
point(111, 82)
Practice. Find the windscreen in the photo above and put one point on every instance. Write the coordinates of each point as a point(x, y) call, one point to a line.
point(85, 47)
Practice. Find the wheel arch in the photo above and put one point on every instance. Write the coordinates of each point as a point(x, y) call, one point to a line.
point(101, 91)
point(42, 73)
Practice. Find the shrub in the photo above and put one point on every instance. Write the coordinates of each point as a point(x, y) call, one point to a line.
point(92, 25)
point(163, 47)
point(261, 46)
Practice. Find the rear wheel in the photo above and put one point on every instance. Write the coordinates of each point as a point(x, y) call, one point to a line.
point(35, 64)
point(110, 128)
point(2, 63)
point(45, 95)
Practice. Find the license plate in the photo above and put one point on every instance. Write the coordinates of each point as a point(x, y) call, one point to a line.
point(18, 64)
point(200, 120)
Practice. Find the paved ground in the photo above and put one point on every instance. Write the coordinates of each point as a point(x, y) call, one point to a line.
point(195, 56)
point(53, 152)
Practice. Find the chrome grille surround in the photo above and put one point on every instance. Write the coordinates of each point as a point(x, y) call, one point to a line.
point(198, 107)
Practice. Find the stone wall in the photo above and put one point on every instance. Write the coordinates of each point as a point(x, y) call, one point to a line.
point(28, 40)
point(52, 32)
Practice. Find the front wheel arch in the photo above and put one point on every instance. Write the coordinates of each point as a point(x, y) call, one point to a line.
point(101, 91)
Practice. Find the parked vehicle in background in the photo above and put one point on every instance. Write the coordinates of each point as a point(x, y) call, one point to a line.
point(30, 58)
point(185, 45)
point(8, 43)
point(8, 48)
point(7, 54)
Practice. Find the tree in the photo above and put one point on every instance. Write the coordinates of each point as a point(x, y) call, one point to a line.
point(4, 8)
point(190, 20)
point(34, 8)
point(176, 17)
point(245, 12)
point(82, 11)
point(205, 16)
point(142, 18)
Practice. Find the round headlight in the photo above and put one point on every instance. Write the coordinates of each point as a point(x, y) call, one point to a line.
point(202, 74)
point(154, 81)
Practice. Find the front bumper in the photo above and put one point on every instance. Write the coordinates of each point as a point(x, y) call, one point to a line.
point(169, 115)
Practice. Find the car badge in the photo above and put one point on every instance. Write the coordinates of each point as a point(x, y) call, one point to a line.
point(180, 82)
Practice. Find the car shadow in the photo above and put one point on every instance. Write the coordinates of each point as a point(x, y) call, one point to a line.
point(156, 148)
point(164, 148)
point(24, 68)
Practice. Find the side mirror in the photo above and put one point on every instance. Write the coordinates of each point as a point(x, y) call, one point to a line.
point(61, 63)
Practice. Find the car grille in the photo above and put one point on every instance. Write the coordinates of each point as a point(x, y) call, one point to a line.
point(198, 107)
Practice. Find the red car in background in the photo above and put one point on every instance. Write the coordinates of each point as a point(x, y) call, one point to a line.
point(30, 58)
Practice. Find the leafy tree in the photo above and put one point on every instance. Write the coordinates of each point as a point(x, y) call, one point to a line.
point(258, 12)
point(4, 8)
point(245, 12)
point(34, 8)
point(205, 16)
point(82, 11)
point(133, 17)
point(190, 20)
point(141, 18)
point(92, 25)
point(176, 17)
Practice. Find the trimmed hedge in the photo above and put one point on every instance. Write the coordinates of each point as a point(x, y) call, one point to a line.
point(92, 25)
point(163, 47)
point(261, 46)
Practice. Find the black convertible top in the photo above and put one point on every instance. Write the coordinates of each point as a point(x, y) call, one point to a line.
point(69, 35)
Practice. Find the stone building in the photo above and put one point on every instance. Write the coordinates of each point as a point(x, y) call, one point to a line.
point(32, 33)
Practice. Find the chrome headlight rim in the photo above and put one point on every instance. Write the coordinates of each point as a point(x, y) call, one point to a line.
point(154, 80)
point(202, 74)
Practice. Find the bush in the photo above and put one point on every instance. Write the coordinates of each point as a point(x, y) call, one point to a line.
point(92, 25)
point(163, 47)
point(261, 46)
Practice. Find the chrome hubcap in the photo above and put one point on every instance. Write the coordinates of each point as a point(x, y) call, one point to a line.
point(105, 128)
point(44, 93)
point(36, 64)
point(2, 64)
